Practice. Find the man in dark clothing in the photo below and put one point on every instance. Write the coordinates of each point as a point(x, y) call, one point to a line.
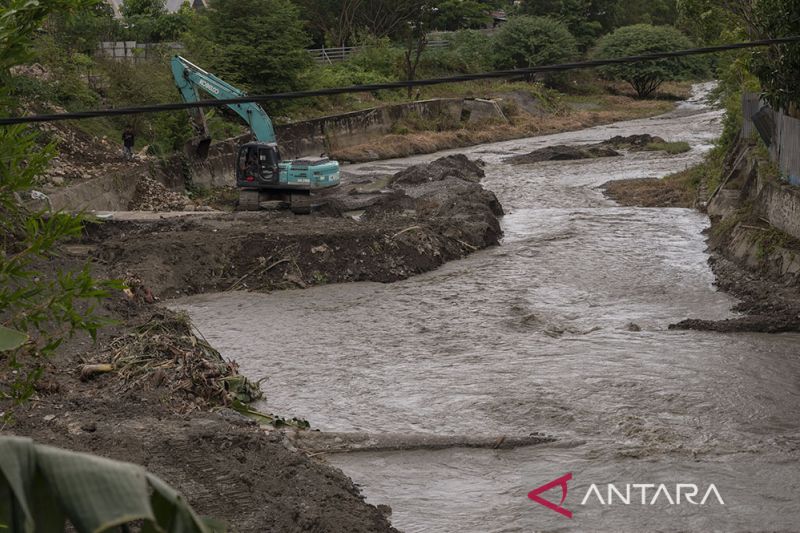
point(127, 143)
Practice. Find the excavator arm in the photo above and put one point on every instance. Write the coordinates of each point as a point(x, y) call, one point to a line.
point(192, 81)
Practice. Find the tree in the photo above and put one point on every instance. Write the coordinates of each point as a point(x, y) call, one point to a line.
point(647, 77)
point(585, 19)
point(414, 35)
point(258, 44)
point(144, 8)
point(387, 18)
point(533, 41)
point(461, 14)
point(333, 22)
point(655, 12)
point(704, 21)
point(778, 67)
point(39, 308)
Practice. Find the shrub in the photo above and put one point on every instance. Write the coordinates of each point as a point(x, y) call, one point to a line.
point(533, 41)
point(646, 77)
point(469, 52)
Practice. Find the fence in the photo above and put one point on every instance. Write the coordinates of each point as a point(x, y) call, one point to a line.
point(136, 52)
point(335, 55)
point(784, 144)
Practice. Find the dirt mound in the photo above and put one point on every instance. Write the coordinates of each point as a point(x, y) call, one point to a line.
point(413, 229)
point(452, 166)
point(633, 141)
point(563, 153)
point(649, 192)
point(772, 323)
point(151, 195)
point(225, 466)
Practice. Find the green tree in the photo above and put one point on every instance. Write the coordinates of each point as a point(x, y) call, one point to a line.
point(461, 14)
point(256, 44)
point(146, 8)
point(655, 12)
point(585, 19)
point(705, 21)
point(646, 77)
point(39, 307)
point(533, 41)
point(778, 67)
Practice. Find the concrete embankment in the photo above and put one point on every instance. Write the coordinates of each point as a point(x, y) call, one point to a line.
point(755, 239)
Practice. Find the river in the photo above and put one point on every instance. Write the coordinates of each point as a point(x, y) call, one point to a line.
point(535, 336)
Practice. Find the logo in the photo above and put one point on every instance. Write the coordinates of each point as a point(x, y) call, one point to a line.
point(648, 494)
point(208, 87)
point(560, 482)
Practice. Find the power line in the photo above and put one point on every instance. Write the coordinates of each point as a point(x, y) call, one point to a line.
point(160, 108)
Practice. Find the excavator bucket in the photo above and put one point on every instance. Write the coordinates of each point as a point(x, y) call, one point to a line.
point(199, 147)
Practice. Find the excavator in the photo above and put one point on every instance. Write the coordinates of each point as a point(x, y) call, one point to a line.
point(261, 176)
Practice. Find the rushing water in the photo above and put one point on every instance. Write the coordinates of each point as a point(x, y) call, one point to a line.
point(534, 335)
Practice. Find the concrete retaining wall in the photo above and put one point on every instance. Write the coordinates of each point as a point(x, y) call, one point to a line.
point(309, 138)
point(780, 204)
point(108, 193)
point(328, 134)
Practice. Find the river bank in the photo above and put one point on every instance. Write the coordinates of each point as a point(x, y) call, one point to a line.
point(561, 330)
point(751, 259)
point(255, 478)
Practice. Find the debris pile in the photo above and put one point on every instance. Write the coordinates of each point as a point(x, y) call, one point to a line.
point(452, 166)
point(165, 353)
point(563, 153)
point(151, 195)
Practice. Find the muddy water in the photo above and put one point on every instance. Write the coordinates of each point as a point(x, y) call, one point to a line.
point(536, 335)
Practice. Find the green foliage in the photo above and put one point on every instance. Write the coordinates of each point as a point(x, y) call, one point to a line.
point(647, 77)
point(672, 148)
point(586, 19)
point(147, 8)
point(256, 44)
point(533, 41)
point(469, 52)
point(461, 14)
point(42, 488)
point(44, 303)
point(705, 21)
point(778, 67)
point(81, 31)
point(654, 12)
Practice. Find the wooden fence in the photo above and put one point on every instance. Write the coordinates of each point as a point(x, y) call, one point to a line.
point(335, 55)
point(784, 145)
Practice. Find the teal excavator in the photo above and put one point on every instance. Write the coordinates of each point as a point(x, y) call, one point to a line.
point(261, 175)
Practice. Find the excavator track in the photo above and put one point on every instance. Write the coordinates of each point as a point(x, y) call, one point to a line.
point(301, 203)
point(249, 200)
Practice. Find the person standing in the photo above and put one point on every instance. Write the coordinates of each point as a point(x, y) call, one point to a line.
point(128, 140)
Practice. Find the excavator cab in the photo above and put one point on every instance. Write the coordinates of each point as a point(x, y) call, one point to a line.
point(257, 165)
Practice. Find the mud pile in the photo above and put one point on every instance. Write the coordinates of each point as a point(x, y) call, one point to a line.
point(607, 148)
point(429, 214)
point(456, 166)
point(633, 142)
point(563, 153)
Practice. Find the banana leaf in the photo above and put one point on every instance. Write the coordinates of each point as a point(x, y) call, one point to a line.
point(42, 487)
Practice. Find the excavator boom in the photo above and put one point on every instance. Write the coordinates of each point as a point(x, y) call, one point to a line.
point(191, 80)
point(259, 170)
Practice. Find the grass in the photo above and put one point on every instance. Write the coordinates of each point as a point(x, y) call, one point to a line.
point(672, 148)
